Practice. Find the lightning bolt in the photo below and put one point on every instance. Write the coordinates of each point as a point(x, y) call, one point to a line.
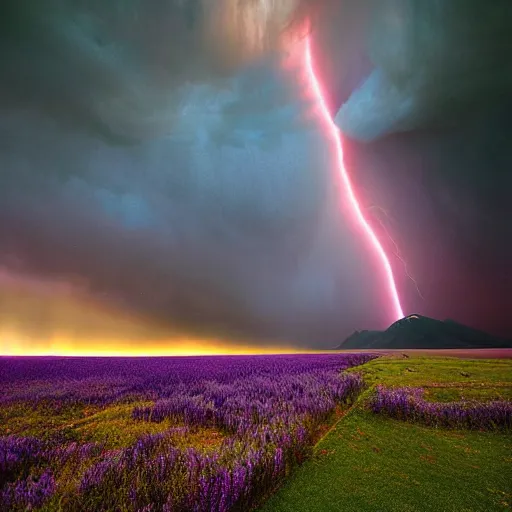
point(335, 135)
point(398, 254)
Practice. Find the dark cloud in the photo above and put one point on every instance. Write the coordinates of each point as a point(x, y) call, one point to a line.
point(432, 62)
point(185, 178)
point(430, 85)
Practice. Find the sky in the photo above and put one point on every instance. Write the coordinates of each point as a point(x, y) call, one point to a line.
point(167, 183)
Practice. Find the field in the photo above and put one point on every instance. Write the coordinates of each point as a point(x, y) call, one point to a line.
point(373, 462)
point(323, 432)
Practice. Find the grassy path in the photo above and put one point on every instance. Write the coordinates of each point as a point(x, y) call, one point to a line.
point(371, 463)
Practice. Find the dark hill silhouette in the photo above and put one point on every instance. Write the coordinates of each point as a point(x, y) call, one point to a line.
point(417, 331)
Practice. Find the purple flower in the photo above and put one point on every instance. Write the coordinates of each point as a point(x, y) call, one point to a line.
point(408, 404)
point(261, 411)
point(30, 493)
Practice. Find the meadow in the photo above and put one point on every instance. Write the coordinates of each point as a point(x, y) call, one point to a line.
point(309, 432)
point(383, 459)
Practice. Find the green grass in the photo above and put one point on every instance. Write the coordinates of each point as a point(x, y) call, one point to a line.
point(371, 463)
point(112, 426)
point(433, 371)
point(451, 394)
point(39, 421)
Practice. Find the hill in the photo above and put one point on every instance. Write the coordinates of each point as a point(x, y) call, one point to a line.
point(421, 332)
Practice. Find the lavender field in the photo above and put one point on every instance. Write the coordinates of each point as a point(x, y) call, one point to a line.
point(172, 434)
point(409, 404)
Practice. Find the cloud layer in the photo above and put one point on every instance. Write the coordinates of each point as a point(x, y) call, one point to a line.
point(432, 61)
point(213, 214)
point(167, 158)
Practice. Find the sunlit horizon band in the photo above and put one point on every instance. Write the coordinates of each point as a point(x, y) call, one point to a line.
point(12, 346)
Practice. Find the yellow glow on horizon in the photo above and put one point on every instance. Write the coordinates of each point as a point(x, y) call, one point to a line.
point(47, 318)
point(15, 345)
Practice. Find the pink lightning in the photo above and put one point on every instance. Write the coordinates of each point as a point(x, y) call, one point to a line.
point(336, 137)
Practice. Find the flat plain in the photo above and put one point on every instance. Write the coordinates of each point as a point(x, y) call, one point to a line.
point(317, 432)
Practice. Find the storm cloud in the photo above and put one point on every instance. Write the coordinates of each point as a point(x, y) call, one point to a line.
point(166, 157)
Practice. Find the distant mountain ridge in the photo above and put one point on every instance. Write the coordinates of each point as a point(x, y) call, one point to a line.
point(417, 331)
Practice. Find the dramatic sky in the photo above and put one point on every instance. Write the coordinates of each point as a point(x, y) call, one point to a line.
point(166, 180)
